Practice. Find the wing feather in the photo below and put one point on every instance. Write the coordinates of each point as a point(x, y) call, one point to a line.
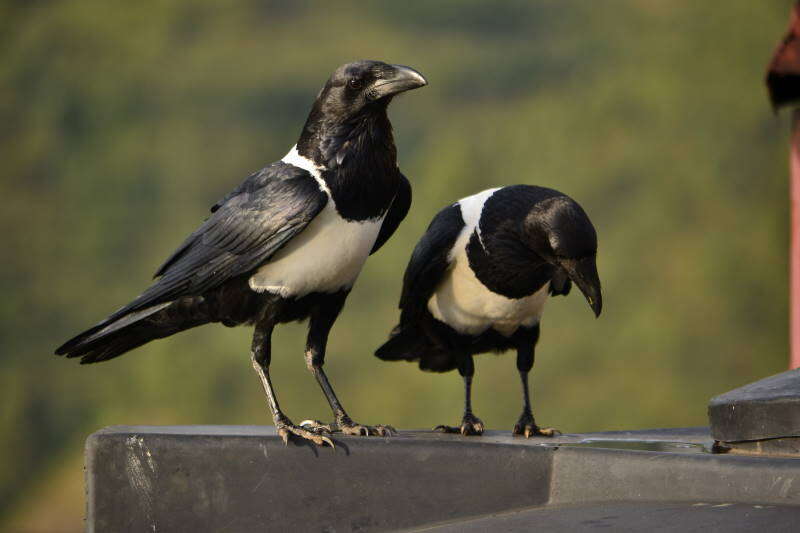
point(397, 212)
point(244, 230)
point(430, 260)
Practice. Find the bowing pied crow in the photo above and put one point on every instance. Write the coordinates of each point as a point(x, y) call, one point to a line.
point(478, 280)
point(286, 244)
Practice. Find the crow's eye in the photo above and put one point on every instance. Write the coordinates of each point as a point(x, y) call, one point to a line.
point(354, 83)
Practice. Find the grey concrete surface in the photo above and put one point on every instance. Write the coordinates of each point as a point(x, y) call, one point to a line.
point(639, 517)
point(243, 478)
point(765, 409)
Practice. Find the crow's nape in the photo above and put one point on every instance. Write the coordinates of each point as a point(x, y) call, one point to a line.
point(108, 340)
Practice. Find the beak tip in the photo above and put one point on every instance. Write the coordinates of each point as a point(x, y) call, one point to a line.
point(412, 75)
point(596, 303)
point(597, 306)
point(584, 274)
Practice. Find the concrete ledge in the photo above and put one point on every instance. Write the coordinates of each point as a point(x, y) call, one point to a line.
point(242, 478)
point(765, 409)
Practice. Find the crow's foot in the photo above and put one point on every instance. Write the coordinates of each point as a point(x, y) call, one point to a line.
point(527, 427)
point(470, 425)
point(315, 426)
point(286, 430)
point(348, 427)
point(351, 428)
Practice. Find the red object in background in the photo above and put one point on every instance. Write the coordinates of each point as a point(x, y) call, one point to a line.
point(783, 82)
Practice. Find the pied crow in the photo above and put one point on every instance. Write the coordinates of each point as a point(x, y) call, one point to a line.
point(478, 280)
point(286, 244)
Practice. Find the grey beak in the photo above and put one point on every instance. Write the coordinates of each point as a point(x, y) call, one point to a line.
point(401, 79)
point(584, 273)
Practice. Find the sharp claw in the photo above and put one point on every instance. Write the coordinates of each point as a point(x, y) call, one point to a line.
point(286, 431)
point(315, 426)
point(451, 429)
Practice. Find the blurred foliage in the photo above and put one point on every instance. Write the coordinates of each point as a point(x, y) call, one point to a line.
point(120, 124)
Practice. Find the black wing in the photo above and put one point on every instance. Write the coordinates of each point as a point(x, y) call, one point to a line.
point(397, 212)
point(245, 229)
point(430, 261)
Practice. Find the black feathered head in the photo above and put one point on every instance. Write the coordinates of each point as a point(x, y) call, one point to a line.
point(355, 86)
point(355, 93)
point(559, 230)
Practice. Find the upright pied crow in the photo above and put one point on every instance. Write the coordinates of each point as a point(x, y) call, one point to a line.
point(478, 280)
point(287, 244)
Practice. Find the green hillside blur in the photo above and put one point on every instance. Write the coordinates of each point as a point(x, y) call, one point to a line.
point(121, 124)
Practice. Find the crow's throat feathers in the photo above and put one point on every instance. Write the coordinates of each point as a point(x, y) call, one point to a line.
point(357, 160)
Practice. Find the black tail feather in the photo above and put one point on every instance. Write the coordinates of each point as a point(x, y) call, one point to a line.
point(112, 339)
point(408, 343)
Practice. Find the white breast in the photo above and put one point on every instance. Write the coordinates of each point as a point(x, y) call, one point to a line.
point(464, 303)
point(325, 257)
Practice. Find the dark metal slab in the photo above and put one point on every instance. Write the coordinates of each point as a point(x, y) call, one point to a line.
point(765, 409)
point(243, 478)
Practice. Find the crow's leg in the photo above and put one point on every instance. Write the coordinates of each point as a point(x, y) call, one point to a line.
point(526, 425)
point(470, 424)
point(260, 355)
point(320, 322)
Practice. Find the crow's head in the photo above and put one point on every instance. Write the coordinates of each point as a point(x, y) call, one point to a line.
point(365, 85)
point(559, 231)
point(350, 113)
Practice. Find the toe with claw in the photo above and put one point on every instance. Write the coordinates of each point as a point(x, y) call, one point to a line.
point(315, 426)
point(287, 430)
point(526, 426)
point(348, 427)
point(470, 425)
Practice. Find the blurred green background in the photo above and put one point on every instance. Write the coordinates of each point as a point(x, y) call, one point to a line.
point(120, 124)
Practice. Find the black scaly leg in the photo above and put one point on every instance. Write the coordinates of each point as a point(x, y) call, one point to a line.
point(320, 323)
point(526, 425)
point(261, 355)
point(470, 424)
